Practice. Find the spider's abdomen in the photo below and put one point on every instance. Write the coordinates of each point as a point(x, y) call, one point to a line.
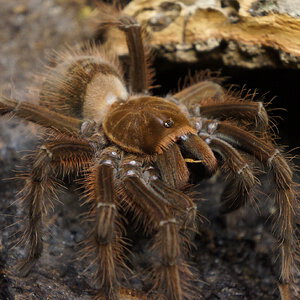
point(145, 125)
point(83, 84)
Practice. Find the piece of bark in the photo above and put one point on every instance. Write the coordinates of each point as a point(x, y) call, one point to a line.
point(250, 36)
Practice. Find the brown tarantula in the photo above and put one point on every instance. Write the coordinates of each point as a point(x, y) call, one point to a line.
point(134, 151)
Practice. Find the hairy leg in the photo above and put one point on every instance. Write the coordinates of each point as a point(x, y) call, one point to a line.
point(200, 91)
point(53, 159)
point(241, 181)
point(170, 273)
point(184, 207)
point(140, 74)
point(105, 239)
point(40, 115)
point(208, 99)
point(285, 191)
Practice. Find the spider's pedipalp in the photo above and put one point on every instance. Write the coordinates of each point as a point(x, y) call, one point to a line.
point(199, 151)
point(105, 240)
point(170, 274)
point(50, 161)
point(173, 167)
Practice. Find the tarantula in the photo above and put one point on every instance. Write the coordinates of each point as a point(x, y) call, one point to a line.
point(134, 151)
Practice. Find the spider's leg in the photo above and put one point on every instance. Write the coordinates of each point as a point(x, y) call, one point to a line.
point(53, 159)
point(105, 240)
point(175, 176)
point(40, 115)
point(239, 189)
point(183, 205)
point(208, 99)
point(249, 111)
point(200, 91)
point(170, 273)
point(140, 75)
point(285, 191)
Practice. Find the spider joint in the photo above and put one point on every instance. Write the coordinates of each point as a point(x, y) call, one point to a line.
point(87, 128)
point(212, 127)
point(191, 208)
point(196, 109)
point(241, 170)
point(198, 124)
point(133, 163)
point(17, 107)
point(184, 137)
point(48, 152)
point(153, 178)
point(208, 140)
point(107, 162)
point(105, 204)
point(271, 158)
point(168, 221)
point(131, 173)
point(113, 154)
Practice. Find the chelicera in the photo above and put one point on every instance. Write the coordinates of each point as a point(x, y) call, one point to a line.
point(133, 150)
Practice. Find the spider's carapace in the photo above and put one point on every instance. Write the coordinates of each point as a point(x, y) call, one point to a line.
point(145, 125)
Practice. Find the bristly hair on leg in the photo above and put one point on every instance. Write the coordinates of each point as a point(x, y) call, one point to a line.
point(104, 245)
point(137, 40)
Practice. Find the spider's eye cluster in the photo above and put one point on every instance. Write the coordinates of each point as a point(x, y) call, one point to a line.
point(168, 123)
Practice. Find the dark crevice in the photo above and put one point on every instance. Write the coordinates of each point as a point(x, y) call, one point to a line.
point(281, 85)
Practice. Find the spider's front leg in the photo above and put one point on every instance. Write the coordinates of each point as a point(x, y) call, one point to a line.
point(285, 192)
point(170, 273)
point(209, 99)
point(53, 159)
point(105, 240)
point(239, 189)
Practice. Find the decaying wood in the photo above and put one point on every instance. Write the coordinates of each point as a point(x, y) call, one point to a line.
point(252, 36)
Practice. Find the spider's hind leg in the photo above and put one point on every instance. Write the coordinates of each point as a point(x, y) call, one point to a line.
point(40, 115)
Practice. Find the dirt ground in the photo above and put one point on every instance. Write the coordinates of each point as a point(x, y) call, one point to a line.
point(232, 254)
